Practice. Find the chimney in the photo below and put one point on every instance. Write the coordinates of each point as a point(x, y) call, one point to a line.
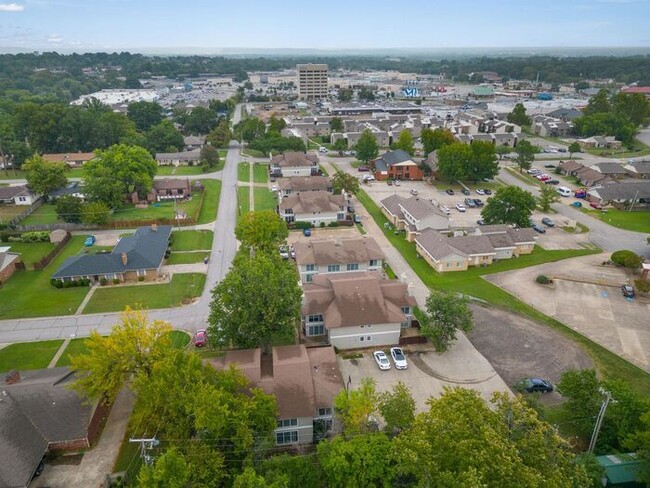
point(154, 227)
point(125, 259)
point(12, 377)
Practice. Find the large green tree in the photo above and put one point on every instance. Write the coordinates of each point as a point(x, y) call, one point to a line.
point(342, 181)
point(509, 205)
point(95, 213)
point(404, 142)
point(367, 147)
point(261, 231)
point(220, 135)
point(336, 124)
point(547, 197)
point(482, 163)
point(164, 137)
point(356, 407)
point(445, 315)
point(200, 120)
point(249, 129)
point(69, 208)
point(525, 155)
point(397, 407)
point(43, 177)
point(257, 300)
point(436, 138)
point(462, 441)
point(145, 114)
point(574, 147)
point(209, 157)
point(276, 124)
point(518, 115)
point(453, 160)
point(119, 171)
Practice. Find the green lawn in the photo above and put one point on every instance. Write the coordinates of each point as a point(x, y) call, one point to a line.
point(28, 355)
point(470, 282)
point(243, 194)
point(212, 190)
point(10, 175)
point(45, 214)
point(183, 287)
point(187, 257)
point(260, 173)
point(638, 149)
point(30, 294)
point(356, 164)
point(75, 346)
point(636, 221)
point(30, 252)
point(192, 240)
point(181, 170)
point(243, 172)
point(180, 339)
point(264, 199)
point(8, 212)
point(323, 170)
point(254, 153)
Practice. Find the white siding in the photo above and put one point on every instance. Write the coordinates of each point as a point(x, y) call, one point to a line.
point(350, 337)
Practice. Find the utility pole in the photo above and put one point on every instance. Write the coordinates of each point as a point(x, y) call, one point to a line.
point(599, 421)
point(144, 445)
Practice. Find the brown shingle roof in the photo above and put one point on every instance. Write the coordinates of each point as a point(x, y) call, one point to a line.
point(313, 202)
point(341, 251)
point(501, 241)
point(570, 166)
point(471, 245)
point(420, 208)
point(522, 236)
point(67, 157)
point(171, 184)
point(305, 183)
point(294, 158)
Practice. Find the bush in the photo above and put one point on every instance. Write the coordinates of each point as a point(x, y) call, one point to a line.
point(116, 281)
point(322, 224)
point(36, 236)
point(642, 286)
point(628, 259)
point(333, 224)
point(67, 284)
point(103, 281)
point(140, 278)
point(543, 279)
point(302, 225)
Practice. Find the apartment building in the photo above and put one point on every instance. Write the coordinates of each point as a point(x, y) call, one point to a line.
point(312, 81)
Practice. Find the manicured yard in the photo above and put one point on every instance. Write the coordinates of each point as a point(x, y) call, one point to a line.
point(28, 355)
point(636, 221)
point(45, 214)
point(8, 212)
point(260, 173)
point(181, 170)
point(75, 346)
point(187, 257)
point(212, 190)
point(254, 153)
point(183, 287)
point(179, 339)
point(243, 172)
point(264, 199)
point(192, 240)
point(160, 210)
point(10, 175)
point(470, 282)
point(30, 252)
point(243, 200)
point(30, 294)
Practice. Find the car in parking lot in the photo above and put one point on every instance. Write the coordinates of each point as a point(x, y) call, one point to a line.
point(538, 228)
point(628, 291)
point(445, 209)
point(90, 240)
point(480, 191)
point(382, 360)
point(534, 385)
point(550, 166)
point(552, 182)
point(548, 222)
point(449, 191)
point(357, 219)
point(465, 191)
point(306, 232)
point(414, 191)
point(478, 202)
point(397, 183)
point(470, 202)
point(533, 171)
point(364, 168)
point(596, 205)
point(487, 191)
point(274, 188)
point(399, 358)
point(284, 252)
point(369, 178)
point(460, 207)
point(200, 338)
point(480, 222)
point(543, 177)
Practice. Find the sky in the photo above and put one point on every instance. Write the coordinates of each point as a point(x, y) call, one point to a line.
point(205, 26)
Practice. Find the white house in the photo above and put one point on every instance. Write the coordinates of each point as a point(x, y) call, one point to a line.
point(292, 163)
point(18, 195)
point(414, 215)
point(315, 207)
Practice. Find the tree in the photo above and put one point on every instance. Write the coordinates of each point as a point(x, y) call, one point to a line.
point(336, 124)
point(397, 407)
point(164, 137)
point(340, 145)
point(145, 114)
point(276, 125)
point(482, 163)
point(296, 471)
point(598, 104)
point(462, 441)
point(95, 213)
point(435, 139)
point(262, 231)
point(170, 470)
point(68, 208)
point(639, 441)
point(220, 135)
point(626, 258)
point(43, 177)
point(210, 156)
point(257, 300)
point(502, 150)
point(367, 147)
point(509, 205)
point(345, 94)
point(366, 94)
point(133, 347)
point(200, 120)
point(634, 107)
point(249, 129)
point(405, 142)
point(453, 160)
point(119, 171)
point(525, 155)
point(547, 197)
point(345, 182)
point(518, 115)
point(574, 147)
point(356, 408)
point(445, 315)
point(364, 460)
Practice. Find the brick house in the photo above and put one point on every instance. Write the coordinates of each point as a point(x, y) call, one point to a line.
point(397, 165)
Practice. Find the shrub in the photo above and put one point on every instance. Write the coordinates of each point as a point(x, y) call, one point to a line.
point(626, 258)
point(140, 278)
point(116, 281)
point(322, 224)
point(333, 224)
point(36, 236)
point(543, 279)
point(103, 281)
point(642, 286)
point(67, 284)
point(302, 225)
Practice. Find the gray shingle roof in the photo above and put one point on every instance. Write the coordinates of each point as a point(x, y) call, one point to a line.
point(610, 168)
point(622, 191)
point(394, 157)
point(420, 208)
point(392, 204)
point(145, 250)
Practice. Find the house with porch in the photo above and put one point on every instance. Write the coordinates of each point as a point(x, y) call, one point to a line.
point(414, 215)
point(294, 163)
point(137, 256)
point(638, 169)
point(315, 207)
point(337, 256)
point(304, 380)
point(354, 310)
point(188, 158)
point(71, 159)
point(18, 195)
point(296, 184)
point(397, 165)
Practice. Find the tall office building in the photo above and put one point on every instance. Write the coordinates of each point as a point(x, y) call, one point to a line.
point(312, 81)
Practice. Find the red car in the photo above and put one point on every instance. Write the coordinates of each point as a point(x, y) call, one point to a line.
point(200, 338)
point(543, 177)
point(595, 205)
point(364, 168)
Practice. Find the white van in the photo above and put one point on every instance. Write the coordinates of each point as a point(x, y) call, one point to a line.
point(564, 191)
point(322, 149)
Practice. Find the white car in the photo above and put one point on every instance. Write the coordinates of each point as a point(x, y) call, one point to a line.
point(368, 178)
point(397, 183)
point(284, 252)
point(460, 207)
point(445, 209)
point(274, 188)
point(399, 358)
point(480, 192)
point(382, 360)
point(414, 191)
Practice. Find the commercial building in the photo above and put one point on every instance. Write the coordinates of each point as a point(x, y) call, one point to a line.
point(312, 81)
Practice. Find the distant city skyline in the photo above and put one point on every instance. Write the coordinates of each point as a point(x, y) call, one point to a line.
point(206, 27)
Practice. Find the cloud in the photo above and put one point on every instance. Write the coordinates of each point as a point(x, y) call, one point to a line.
point(55, 39)
point(11, 7)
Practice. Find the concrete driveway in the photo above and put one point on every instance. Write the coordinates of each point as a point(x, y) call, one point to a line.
point(586, 296)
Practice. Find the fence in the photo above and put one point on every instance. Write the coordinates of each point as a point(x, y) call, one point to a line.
point(118, 224)
point(39, 265)
point(28, 211)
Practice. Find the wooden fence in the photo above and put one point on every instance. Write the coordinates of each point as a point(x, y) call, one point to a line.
point(44, 261)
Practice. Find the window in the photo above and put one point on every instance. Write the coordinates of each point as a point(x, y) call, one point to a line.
point(286, 437)
point(373, 262)
point(314, 318)
point(316, 330)
point(309, 278)
point(406, 310)
point(365, 338)
point(309, 267)
point(287, 423)
point(333, 268)
point(353, 267)
point(322, 412)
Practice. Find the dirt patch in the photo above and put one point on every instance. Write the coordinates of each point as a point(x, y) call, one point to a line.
point(519, 348)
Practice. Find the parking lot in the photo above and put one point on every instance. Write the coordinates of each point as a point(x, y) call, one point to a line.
point(586, 296)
